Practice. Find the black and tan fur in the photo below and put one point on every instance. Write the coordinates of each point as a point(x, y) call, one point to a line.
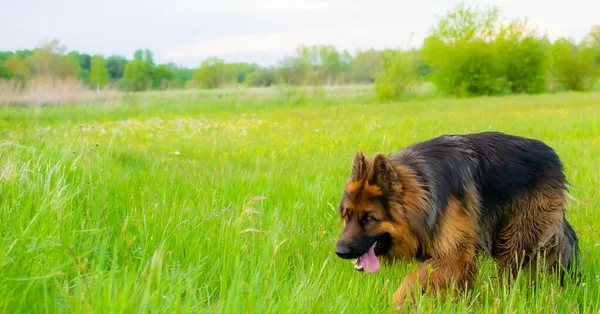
point(447, 200)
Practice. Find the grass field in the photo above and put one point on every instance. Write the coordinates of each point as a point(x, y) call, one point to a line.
point(222, 206)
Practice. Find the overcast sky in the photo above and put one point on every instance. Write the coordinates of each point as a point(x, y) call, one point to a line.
point(262, 31)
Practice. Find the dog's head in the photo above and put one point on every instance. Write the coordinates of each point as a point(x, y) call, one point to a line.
point(373, 212)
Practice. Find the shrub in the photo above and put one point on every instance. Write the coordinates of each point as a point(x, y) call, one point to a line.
point(573, 66)
point(138, 74)
point(213, 73)
point(471, 53)
point(366, 66)
point(124, 85)
point(398, 74)
point(523, 59)
point(5, 73)
point(262, 77)
point(163, 77)
point(99, 76)
point(461, 53)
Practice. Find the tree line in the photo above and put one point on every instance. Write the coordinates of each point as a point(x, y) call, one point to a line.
point(467, 52)
point(312, 66)
point(96, 71)
point(470, 52)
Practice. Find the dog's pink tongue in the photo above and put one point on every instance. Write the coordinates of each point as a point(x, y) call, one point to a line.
point(370, 261)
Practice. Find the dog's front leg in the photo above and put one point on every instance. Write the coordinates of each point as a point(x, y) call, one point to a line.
point(437, 274)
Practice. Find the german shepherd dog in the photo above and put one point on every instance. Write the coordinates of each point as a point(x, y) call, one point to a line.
point(447, 200)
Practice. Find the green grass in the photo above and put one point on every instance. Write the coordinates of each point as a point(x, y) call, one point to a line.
point(220, 206)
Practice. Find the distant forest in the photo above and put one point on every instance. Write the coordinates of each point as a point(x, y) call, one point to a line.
point(467, 52)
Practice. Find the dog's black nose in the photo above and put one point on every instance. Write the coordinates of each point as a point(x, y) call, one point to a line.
point(343, 251)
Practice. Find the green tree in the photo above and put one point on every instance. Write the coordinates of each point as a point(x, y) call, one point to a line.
point(137, 76)
point(84, 61)
point(593, 40)
point(138, 55)
point(23, 53)
point(573, 66)
point(331, 63)
point(162, 77)
point(315, 65)
point(149, 57)
point(262, 77)
point(522, 57)
point(144, 55)
point(5, 73)
point(181, 75)
point(366, 66)
point(242, 70)
point(17, 67)
point(50, 60)
point(460, 54)
point(5, 55)
point(116, 67)
point(398, 75)
point(296, 70)
point(213, 73)
point(99, 73)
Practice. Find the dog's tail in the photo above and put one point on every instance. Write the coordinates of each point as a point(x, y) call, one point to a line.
point(569, 186)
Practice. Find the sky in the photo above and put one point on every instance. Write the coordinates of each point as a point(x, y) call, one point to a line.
point(262, 31)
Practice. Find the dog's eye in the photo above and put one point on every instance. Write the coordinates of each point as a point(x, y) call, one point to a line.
point(368, 218)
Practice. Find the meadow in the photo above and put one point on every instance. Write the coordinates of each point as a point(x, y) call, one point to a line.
point(227, 204)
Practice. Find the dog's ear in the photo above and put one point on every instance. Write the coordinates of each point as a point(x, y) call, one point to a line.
point(359, 167)
point(383, 174)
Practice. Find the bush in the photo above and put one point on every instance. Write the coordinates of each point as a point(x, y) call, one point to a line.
point(296, 70)
point(366, 66)
point(50, 60)
point(472, 54)
point(398, 74)
point(99, 76)
point(573, 66)
point(465, 69)
point(124, 85)
point(138, 74)
point(213, 73)
point(461, 53)
point(5, 73)
point(523, 60)
point(163, 77)
point(262, 77)
point(18, 68)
